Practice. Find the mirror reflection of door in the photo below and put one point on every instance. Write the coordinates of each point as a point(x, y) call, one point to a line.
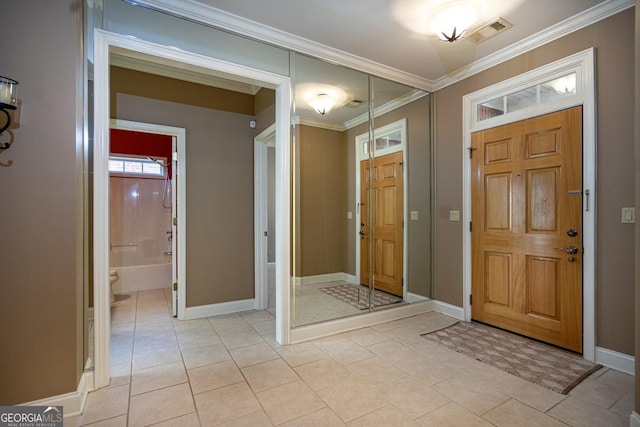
point(328, 145)
point(382, 216)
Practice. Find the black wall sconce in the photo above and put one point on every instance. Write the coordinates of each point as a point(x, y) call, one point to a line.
point(8, 103)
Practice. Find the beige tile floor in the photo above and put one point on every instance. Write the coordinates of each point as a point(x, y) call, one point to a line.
point(228, 370)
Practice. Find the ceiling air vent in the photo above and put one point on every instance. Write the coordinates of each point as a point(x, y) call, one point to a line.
point(493, 28)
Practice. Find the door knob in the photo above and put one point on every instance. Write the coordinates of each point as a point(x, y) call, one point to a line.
point(571, 250)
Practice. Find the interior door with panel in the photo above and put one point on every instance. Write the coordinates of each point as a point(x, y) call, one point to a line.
point(382, 223)
point(527, 227)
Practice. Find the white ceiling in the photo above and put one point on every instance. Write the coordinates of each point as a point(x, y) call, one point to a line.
point(387, 38)
point(394, 32)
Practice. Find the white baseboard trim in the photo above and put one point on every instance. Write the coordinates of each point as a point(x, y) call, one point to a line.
point(411, 297)
point(448, 309)
point(73, 402)
point(306, 333)
point(634, 420)
point(322, 278)
point(618, 361)
point(201, 311)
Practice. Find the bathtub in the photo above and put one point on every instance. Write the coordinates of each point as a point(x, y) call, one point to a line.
point(140, 274)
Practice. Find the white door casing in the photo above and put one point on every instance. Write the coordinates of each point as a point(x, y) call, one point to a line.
point(106, 43)
point(582, 63)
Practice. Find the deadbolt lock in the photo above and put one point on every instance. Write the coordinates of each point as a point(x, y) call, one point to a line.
point(572, 232)
point(571, 250)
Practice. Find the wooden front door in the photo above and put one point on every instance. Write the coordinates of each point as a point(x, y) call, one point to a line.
point(527, 227)
point(383, 190)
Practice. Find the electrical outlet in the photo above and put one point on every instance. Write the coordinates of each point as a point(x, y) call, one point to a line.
point(454, 215)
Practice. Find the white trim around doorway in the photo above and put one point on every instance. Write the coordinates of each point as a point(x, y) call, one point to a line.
point(583, 64)
point(181, 214)
point(397, 126)
point(261, 144)
point(106, 43)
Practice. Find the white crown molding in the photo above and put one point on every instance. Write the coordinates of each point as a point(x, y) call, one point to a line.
point(569, 25)
point(198, 12)
point(385, 108)
point(297, 120)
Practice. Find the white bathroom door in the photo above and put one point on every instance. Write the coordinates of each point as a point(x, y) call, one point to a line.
point(174, 229)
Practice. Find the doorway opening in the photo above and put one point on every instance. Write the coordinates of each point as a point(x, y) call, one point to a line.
point(167, 244)
point(105, 45)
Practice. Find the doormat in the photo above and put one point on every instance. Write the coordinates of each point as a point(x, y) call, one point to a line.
point(547, 366)
point(358, 296)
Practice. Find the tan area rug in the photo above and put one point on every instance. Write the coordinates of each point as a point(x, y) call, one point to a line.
point(545, 365)
point(358, 296)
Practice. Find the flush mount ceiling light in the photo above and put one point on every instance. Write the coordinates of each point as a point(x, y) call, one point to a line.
point(452, 19)
point(322, 103)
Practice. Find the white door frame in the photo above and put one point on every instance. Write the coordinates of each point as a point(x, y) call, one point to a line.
point(180, 199)
point(398, 125)
point(260, 215)
point(583, 64)
point(106, 43)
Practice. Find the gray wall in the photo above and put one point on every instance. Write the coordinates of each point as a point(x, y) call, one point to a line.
point(41, 216)
point(615, 189)
point(219, 199)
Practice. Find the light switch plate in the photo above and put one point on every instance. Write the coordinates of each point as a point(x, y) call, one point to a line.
point(349, 215)
point(628, 215)
point(415, 215)
point(454, 215)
